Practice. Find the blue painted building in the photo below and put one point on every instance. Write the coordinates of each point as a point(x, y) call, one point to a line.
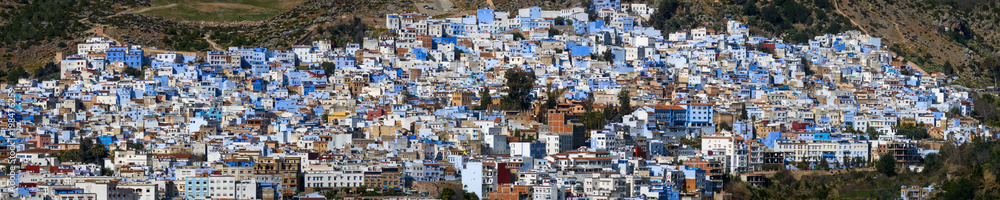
point(196, 187)
point(135, 58)
point(485, 16)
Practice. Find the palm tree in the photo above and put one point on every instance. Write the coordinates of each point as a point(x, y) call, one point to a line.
point(589, 103)
point(552, 96)
point(551, 100)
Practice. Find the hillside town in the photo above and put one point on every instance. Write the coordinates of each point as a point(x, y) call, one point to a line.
point(577, 103)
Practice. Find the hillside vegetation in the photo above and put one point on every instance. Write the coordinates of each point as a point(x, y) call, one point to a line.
point(953, 37)
point(220, 10)
point(34, 31)
point(957, 38)
point(967, 171)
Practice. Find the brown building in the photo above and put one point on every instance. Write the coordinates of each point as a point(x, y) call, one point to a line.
point(373, 180)
point(357, 87)
point(289, 169)
point(291, 174)
point(392, 178)
point(713, 168)
point(511, 192)
point(905, 153)
point(557, 123)
point(462, 98)
point(915, 192)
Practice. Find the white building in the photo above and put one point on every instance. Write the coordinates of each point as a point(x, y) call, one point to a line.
point(221, 187)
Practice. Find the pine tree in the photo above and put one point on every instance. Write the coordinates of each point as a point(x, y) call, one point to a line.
point(846, 162)
point(823, 164)
point(872, 133)
point(625, 100)
point(610, 112)
point(589, 103)
point(743, 113)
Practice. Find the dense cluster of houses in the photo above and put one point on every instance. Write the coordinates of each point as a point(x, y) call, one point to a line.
point(400, 115)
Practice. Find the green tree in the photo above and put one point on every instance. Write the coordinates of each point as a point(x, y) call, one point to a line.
point(48, 71)
point(625, 104)
point(592, 120)
point(823, 164)
point(136, 146)
point(485, 99)
point(750, 8)
point(328, 68)
point(98, 153)
point(845, 162)
point(797, 36)
point(955, 111)
point(67, 156)
point(886, 165)
point(134, 72)
point(107, 171)
point(743, 113)
point(552, 96)
point(15, 75)
point(963, 188)
point(948, 68)
point(85, 146)
point(772, 167)
point(914, 132)
point(932, 162)
point(872, 133)
point(559, 21)
point(725, 126)
point(551, 101)
point(519, 85)
point(802, 164)
point(664, 11)
point(362, 189)
point(553, 32)
point(518, 36)
point(610, 111)
point(770, 13)
point(588, 104)
point(806, 66)
point(471, 196)
point(795, 12)
point(991, 64)
point(330, 194)
point(608, 56)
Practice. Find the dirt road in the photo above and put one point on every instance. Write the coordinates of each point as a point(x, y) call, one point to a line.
point(439, 7)
point(212, 43)
point(141, 10)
